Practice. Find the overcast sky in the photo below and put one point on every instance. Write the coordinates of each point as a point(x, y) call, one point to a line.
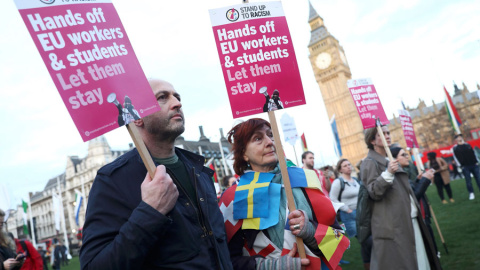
point(409, 48)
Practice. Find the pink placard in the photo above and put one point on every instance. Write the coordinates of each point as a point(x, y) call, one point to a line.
point(257, 57)
point(367, 102)
point(408, 131)
point(91, 61)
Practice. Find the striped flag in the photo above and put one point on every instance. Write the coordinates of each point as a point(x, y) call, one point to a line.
point(78, 204)
point(452, 113)
point(304, 143)
point(332, 243)
point(214, 177)
point(25, 218)
point(338, 147)
point(210, 164)
point(303, 178)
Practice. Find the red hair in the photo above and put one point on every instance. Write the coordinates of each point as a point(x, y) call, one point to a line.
point(239, 136)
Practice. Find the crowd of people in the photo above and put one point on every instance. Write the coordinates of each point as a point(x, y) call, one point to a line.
point(20, 254)
point(174, 220)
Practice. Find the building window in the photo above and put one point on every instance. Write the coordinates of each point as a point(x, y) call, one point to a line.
point(475, 133)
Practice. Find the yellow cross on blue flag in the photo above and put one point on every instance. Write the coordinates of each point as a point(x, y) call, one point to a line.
point(251, 196)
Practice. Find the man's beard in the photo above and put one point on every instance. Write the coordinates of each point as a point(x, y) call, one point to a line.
point(164, 129)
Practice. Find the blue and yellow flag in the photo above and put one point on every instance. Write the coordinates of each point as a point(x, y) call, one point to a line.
point(251, 196)
point(273, 211)
point(303, 178)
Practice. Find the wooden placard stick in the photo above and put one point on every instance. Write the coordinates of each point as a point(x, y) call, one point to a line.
point(420, 168)
point(384, 141)
point(418, 160)
point(142, 149)
point(283, 169)
point(285, 177)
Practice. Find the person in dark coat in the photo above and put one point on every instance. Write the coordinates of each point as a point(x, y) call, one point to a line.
point(419, 184)
point(400, 237)
point(56, 254)
point(169, 222)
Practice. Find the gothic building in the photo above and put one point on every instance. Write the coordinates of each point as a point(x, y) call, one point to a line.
point(432, 125)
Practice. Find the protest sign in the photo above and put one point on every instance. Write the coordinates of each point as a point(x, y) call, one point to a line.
point(289, 129)
point(367, 102)
point(91, 61)
point(407, 126)
point(257, 57)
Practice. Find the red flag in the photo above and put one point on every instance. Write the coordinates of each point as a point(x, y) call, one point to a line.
point(214, 178)
point(452, 112)
point(332, 243)
point(304, 143)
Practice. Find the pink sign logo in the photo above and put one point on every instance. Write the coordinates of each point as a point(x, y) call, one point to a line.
point(232, 15)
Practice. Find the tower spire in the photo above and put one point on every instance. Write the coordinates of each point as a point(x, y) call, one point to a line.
point(313, 13)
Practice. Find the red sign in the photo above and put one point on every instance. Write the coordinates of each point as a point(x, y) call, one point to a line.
point(257, 57)
point(91, 61)
point(408, 131)
point(367, 102)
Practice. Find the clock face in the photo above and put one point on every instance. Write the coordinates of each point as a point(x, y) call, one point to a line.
point(344, 59)
point(323, 60)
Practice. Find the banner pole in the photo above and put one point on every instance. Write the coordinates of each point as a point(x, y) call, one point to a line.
point(142, 149)
point(438, 227)
point(384, 141)
point(285, 177)
point(296, 158)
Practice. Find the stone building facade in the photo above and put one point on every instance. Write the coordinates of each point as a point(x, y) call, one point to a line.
point(432, 125)
point(80, 174)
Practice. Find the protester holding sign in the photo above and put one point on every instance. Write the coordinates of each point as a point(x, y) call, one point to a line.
point(257, 220)
point(396, 222)
point(169, 222)
point(419, 184)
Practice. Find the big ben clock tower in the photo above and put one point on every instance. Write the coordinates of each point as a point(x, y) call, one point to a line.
point(332, 73)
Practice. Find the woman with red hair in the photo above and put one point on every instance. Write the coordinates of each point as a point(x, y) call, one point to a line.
point(270, 242)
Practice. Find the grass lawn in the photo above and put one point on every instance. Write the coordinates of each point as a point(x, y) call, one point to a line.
point(74, 264)
point(457, 221)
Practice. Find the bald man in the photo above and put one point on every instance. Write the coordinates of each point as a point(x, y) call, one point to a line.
point(169, 222)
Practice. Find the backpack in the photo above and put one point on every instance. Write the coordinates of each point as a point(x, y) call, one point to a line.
point(364, 212)
point(342, 187)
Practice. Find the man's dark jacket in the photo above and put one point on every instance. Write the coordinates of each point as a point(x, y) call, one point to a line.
point(123, 232)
